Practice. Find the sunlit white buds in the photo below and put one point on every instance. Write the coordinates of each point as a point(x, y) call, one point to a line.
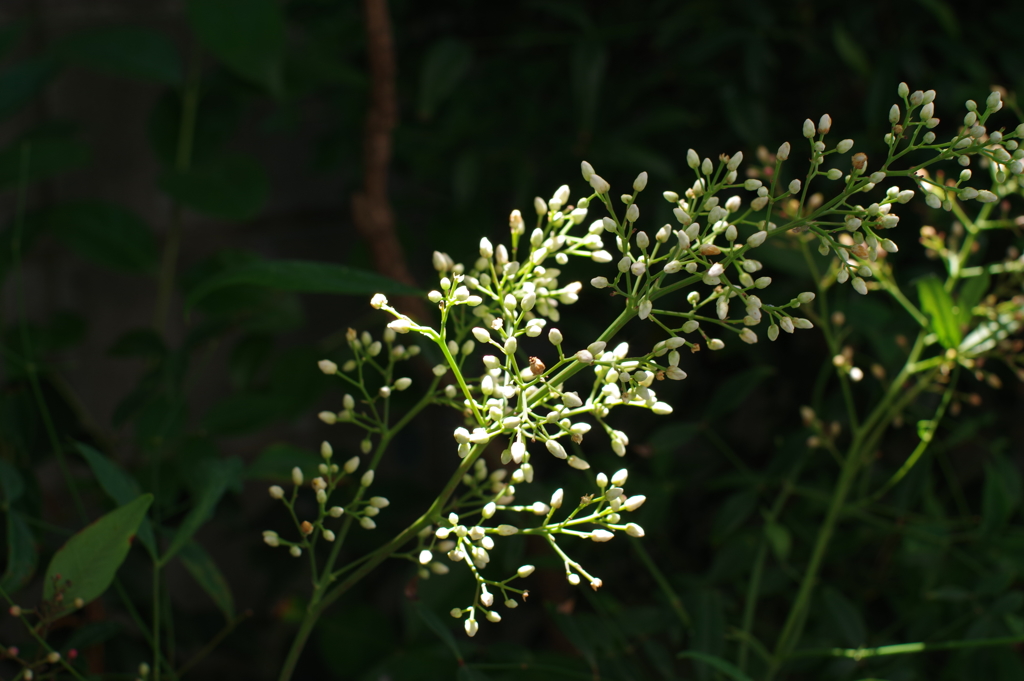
point(556, 449)
point(824, 124)
point(634, 530)
point(757, 238)
point(633, 213)
point(640, 182)
point(808, 130)
point(692, 159)
point(794, 187)
point(859, 286)
point(587, 171)
point(783, 153)
point(844, 146)
point(599, 184)
point(577, 463)
point(601, 536)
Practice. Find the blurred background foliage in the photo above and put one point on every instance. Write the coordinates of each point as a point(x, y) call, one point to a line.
point(179, 267)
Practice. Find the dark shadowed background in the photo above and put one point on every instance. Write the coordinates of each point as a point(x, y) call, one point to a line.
point(126, 216)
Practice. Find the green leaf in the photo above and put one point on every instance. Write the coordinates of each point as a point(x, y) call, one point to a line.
point(216, 478)
point(205, 571)
point(938, 305)
point(732, 514)
point(51, 152)
point(725, 667)
point(131, 51)
point(850, 51)
point(708, 639)
point(247, 36)
point(105, 233)
point(971, 292)
point(275, 463)
point(119, 486)
point(300, 276)
point(1001, 495)
point(21, 553)
point(228, 187)
point(845, 616)
point(85, 566)
point(441, 629)
point(734, 391)
point(445, 65)
point(780, 540)
point(20, 83)
point(11, 483)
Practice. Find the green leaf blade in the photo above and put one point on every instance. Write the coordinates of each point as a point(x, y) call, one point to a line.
point(204, 570)
point(85, 566)
point(247, 36)
point(938, 305)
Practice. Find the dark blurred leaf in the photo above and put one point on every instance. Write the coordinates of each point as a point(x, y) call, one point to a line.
point(229, 187)
point(850, 51)
point(937, 304)
point(119, 486)
point(275, 463)
point(1001, 495)
point(367, 633)
point(732, 392)
point(92, 634)
point(845, 616)
point(105, 233)
point(21, 553)
point(11, 483)
point(708, 640)
point(732, 514)
point(670, 437)
point(248, 356)
point(85, 566)
point(780, 540)
point(441, 629)
point(144, 342)
point(217, 476)
point(20, 83)
point(132, 51)
point(216, 121)
point(943, 15)
point(243, 413)
point(723, 666)
point(247, 36)
point(302, 277)
point(51, 151)
point(445, 65)
point(205, 571)
point(589, 60)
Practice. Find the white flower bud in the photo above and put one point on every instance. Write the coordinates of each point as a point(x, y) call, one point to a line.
point(707, 167)
point(808, 128)
point(587, 170)
point(556, 449)
point(663, 408)
point(734, 161)
point(297, 476)
point(794, 187)
point(351, 465)
point(577, 463)
point(757, 238)
point(640, 182)
point(783, 153)
point(824, 124)
point(634, 530)
point(601, 536)
point(511, 344)
point(633, 213)
point(555, 337)
point(692, 159)
point(599, 184)
point(367, 478)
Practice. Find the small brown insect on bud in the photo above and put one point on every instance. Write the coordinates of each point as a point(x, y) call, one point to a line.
point(536, 366)
point(859, 160)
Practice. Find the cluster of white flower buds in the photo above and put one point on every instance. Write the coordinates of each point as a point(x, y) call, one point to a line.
point(324, 485)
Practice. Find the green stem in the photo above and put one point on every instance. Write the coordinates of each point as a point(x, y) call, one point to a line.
point(908, 648)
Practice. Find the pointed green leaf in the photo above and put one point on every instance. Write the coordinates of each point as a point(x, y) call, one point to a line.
point(971, 292)
point(217, 476)
point(300, 276)
point(444, 66)
point(85, 566)
point(725, 667)
point(938, 305)
point(119, 486)
point(21, 553)
point(780, 540)
point(205, 571)
point(247, 36)
point(131, 51)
